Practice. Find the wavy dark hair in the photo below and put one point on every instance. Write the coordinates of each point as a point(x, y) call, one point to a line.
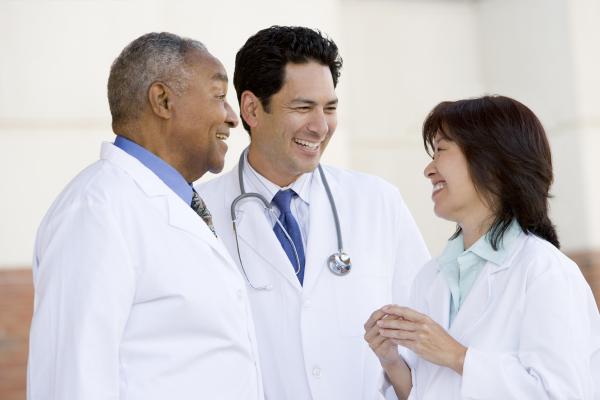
point(508, 157)
point(260, 63)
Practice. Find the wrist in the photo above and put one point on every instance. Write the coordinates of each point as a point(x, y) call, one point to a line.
point(392, 364)
point(458, 361)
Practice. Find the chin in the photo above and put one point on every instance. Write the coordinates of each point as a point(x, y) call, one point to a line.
point(216, 169)
point(440, 213)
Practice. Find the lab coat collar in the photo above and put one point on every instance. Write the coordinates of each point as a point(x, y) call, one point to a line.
point(482, 294)
point(254, 222)
point(255, 182)
point(255, 232)
point(180, 215)
point(481, 248)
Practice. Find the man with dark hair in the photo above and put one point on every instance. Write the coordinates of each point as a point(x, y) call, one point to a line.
point(319, 247)
point(135, 296)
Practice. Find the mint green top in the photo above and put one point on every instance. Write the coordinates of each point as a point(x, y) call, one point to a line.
point(461, 267)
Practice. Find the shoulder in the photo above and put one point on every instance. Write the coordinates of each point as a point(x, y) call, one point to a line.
point(218, 183)
point(427, 273)
point(537, 258)
point(97, 188)
point(360, 182)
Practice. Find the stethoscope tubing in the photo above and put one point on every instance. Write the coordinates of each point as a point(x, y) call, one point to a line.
point(245, 195)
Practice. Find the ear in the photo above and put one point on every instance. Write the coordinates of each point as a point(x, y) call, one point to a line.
point(160, 98)
point(249, 108)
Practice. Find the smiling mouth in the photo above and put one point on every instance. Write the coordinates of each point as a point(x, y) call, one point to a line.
point(437, 187)
point(312, 146)
point(222, 136)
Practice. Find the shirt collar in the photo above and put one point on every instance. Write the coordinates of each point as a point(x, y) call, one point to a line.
point(169, 175)
point(481, 248)
point(268, 189)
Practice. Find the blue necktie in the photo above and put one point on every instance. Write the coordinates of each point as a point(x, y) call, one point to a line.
point(282, 200)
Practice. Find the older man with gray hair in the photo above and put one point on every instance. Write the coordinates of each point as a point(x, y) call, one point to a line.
point(135, 295)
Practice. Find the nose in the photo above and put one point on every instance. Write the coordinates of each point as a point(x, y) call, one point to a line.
point(232, 119)
point(429, 170)
point(319, 123)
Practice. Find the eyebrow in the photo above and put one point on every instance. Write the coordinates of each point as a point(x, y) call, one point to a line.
point(220, 77)
point(312, 102)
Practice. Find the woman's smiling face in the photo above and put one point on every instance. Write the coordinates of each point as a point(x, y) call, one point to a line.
point(454, 194)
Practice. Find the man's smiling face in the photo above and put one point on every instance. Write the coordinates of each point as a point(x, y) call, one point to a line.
point(292, 133)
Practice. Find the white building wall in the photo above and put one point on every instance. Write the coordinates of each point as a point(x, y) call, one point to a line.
point(401, 57)
point(54, 64)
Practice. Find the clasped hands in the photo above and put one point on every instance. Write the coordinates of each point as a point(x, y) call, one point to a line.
point(393, 325)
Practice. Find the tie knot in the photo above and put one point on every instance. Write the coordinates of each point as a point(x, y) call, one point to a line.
point(282, 200)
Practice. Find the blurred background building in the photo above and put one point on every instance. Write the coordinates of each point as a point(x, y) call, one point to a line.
point(401, 57)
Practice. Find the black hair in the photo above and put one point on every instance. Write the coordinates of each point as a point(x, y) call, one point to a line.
point(260, 63)
point(508, 157)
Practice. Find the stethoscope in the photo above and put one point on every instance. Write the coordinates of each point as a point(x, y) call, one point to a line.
point(339, 262)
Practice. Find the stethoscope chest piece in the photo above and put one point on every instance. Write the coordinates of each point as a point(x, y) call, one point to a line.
point(339, 263)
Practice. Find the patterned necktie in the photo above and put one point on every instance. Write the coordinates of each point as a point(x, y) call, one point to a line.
point(282, 200)
point(199, 206)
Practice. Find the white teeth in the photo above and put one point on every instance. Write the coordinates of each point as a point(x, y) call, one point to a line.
point(306, 143)
point(221, 136)
point(438, 186)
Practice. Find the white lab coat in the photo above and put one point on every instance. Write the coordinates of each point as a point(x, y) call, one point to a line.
point(311, 338)
point(134, 297)
point(531, 326)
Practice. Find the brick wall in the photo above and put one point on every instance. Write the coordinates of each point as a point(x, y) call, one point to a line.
point(589, 263)
point(16, 304)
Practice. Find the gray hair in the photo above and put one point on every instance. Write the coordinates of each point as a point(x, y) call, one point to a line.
point(153, 57)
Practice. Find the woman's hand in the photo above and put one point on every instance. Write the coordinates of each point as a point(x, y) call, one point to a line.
point(422, 335)
point(386, 350)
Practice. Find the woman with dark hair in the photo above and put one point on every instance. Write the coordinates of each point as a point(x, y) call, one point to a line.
point(502, 313)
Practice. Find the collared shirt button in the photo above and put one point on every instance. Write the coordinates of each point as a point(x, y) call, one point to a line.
point(316, 372)
point(307, 303)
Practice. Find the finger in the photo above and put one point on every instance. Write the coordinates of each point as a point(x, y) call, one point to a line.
point(397, 323)
point(406, 313)
point(371, 333)
point(398, 334)
point(376, 342)
point(375, 316)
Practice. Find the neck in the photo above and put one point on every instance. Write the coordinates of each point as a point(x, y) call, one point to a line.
point(155, 143)
point(271, 173)
point(474, 229)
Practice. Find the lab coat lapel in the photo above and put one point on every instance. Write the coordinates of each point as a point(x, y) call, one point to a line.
point(437, 301)
point(183, 217)
point(322, 238)
point(179, 215)
point(483, 294)
point(475, 305)
point(258, 243)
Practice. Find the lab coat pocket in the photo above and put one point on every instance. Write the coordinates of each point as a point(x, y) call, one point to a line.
point(357, 297)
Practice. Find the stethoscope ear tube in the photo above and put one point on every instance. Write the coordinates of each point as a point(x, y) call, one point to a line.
point(339, 263)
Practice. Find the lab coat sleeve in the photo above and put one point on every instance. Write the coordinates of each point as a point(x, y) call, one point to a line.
point(84, 288)
point(553, 359)
point(411, 254)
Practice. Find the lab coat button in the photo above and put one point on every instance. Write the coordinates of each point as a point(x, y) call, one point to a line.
point(316, 372)
point(307, 303)
point(240, 294)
